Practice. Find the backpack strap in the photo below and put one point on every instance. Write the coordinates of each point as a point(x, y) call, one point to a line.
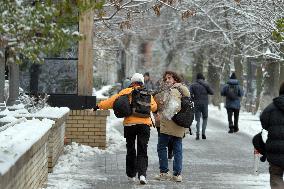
point(179, 90)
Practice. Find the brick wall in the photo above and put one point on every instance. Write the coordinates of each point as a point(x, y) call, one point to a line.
point(30, 171)
point(87, 128)
point(56, 141)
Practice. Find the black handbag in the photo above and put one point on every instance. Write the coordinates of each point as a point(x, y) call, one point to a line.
point(259, 145)
point(121, 107)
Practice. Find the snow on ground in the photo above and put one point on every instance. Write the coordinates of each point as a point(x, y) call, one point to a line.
point(18, 135)
point(8, 119)
point(99, 94)
point(75, 154)
point(17, 139)
point(248, 122)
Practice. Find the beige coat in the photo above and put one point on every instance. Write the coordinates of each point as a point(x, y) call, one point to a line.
point(168, 126)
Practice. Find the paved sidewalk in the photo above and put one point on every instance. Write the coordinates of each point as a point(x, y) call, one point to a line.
point(222, 161)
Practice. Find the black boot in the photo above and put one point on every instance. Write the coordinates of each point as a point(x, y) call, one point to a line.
point(236, 129)
point(204, 136)
point(231, 128)
point(197, 137)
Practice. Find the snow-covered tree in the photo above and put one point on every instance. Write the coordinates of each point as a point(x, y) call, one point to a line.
point(33, 29)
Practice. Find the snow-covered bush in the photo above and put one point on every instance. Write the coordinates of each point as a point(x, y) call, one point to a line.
point(34, 103)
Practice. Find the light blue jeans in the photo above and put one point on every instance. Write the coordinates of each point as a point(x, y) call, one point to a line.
point(163, 154)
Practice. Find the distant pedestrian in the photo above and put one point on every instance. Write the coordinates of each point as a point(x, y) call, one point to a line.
point(199, 91)
point(135, 126)
point(233, 93)
point(169, 130)
point(149, 85)
point(126, 83)
point(272, 120)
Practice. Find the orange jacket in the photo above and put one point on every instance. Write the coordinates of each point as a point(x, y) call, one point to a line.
point(130, 120)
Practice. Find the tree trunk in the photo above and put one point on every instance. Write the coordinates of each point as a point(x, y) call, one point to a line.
point(270, 83)
point(259, 77)
point(226, 71)
point(34, 77)
point(85, 54)
point(281, 77)
point(121, 75)
point(214, 73)
point(2, 74)
point(3, 44)
point(197, 66)
point(249, 90)
point(122, 68)
point(13, 83)
point(239, 68)
point(169, 58)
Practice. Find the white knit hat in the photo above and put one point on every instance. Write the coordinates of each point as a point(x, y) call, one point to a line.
point(137, 77)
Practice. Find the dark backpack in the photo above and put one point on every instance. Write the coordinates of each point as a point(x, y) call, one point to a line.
point(122, 107)
point(232, 92)
point(141, 103)
point(185, 116)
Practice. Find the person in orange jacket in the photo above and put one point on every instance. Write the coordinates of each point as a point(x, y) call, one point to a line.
point(134, 126)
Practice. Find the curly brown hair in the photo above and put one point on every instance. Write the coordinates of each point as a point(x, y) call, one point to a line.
point(175, 76)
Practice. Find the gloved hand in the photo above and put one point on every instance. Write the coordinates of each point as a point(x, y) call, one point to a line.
point(263, 158)
point(96, 108)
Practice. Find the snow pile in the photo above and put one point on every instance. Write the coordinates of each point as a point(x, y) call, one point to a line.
point(17, 106)
point(104, 89)
point(16, 140)
point(47, 112)
point(114, 138)
point(8, 119)
point(51, 112)
point(66, 174)
point(74, 154)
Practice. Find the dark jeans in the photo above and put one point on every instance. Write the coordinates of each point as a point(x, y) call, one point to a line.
point(170, 145)
point(230, 112)
point(276, 177)
point(201, 109)
point(136, 163)
point(162, 153)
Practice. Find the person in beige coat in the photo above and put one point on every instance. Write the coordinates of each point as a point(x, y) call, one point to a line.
point(170, 104)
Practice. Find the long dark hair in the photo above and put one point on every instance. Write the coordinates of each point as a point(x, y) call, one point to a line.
point(176, 77)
